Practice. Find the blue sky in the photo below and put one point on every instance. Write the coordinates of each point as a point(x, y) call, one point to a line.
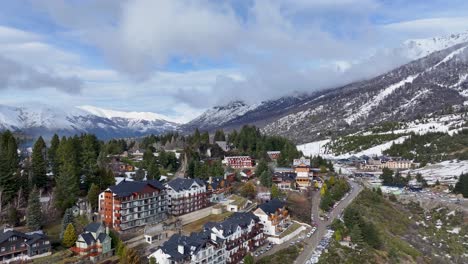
point(179, 57)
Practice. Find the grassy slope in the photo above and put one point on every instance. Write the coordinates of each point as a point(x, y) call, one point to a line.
point(404, 241)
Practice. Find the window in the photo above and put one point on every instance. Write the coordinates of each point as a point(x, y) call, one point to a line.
point(3, 249)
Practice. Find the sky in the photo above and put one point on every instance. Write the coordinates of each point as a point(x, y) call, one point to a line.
point(180, 57)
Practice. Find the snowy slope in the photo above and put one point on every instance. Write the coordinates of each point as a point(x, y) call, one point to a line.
point(39, 119)
point(108, 113)
point(418, 48)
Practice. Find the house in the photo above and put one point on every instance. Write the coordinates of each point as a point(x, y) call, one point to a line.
point(120, 168)
point(274, 217)
point(302, 169)
point(239, 162)
point(94, 242)
point(133, 204)
point(287, 181)
point(195, 248)
point(273, 155)
point(186, 195)
point(223, 145)
point(247, 174)
point(241, 233)
point(217, 188)
point(18, 246)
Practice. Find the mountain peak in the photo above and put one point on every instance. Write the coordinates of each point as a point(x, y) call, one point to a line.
point(108, 113)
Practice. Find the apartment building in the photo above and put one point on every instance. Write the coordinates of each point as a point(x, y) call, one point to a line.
point(226, 243)
point(239, 162)
point(196, 248)
point(133, 204)
point(302, 170)
point(186, 195)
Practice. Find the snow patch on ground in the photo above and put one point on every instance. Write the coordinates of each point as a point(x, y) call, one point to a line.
point(375, 101)
point(445, 171)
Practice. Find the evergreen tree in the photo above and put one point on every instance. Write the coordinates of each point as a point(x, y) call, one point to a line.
point(356, 234)
point(66, 182)
point(462, 185)
point(275, 192)
point(153, 172)
point(262, 166)
point(219, 135)
point(130, 256)
point(139, 175)
point(34, 213)
point(152, 260)
point(93, 196)
point(67, 219)
point(265, 179)
point(52, 154)
point(69, 236)
point(39, 164)
point(9, 161)
point(13, 216)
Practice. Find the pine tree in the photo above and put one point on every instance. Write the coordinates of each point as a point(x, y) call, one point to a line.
point(39, 164)
point(265, 179)
point(262, 166)
point(52, 154)
point(67, 219)
point(9, 164)
point(66, 182)
point(13, 216)
point(34, 213)
point(462, 185)
point(153, 172)
point(93, 196)
point(356, 234)
point(69, 236)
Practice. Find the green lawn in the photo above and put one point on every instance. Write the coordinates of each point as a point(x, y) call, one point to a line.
point(290, 229)
point(287, 255)
point(197, 226)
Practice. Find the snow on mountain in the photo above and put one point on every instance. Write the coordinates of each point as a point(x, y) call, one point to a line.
point(39, 119)
point(418, 48)
point(219, 115)
point(107, 113)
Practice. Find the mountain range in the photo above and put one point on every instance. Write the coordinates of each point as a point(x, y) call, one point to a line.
point(434, 81)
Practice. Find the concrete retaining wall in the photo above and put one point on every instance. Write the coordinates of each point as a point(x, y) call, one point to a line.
point(277, 240)
point(194, 216)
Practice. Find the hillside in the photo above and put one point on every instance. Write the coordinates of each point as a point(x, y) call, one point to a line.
point(404, 233)
point(45, 120)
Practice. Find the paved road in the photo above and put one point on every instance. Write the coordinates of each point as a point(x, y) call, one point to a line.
point(314, 240)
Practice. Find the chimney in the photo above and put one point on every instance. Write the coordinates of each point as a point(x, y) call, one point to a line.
point(180, 249)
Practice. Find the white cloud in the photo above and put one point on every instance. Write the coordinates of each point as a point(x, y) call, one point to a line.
point(429, 27)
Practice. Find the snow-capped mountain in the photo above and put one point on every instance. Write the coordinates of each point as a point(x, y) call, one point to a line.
point(237, 113)
point(38, 119)
point(418, 48)
point(431, 85)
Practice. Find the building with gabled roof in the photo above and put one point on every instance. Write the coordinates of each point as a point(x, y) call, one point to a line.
point(133, 204)
point(94, 242)
point(186, 195)
point(274, 217)
point(17, 246)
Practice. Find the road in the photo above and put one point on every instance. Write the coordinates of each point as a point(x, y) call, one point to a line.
point(313, 241)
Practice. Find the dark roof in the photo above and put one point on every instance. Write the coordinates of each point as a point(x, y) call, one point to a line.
point(93, 227)
point(271, 206)
point(230, 225)
point(180, 184)
point(102, 237)
point(192, 244)
point(127, 188)
point(216, 181)
point(29, 238)
point(88, 238)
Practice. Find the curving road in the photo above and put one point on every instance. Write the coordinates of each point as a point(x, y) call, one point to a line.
point(313, 241)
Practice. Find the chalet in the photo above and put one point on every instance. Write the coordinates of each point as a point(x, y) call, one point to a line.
point(217, 188)
point(274, 217)
point(223, 145)
point(239, 162)
point(94, 242)
point(302, 170)
point(18, 246)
